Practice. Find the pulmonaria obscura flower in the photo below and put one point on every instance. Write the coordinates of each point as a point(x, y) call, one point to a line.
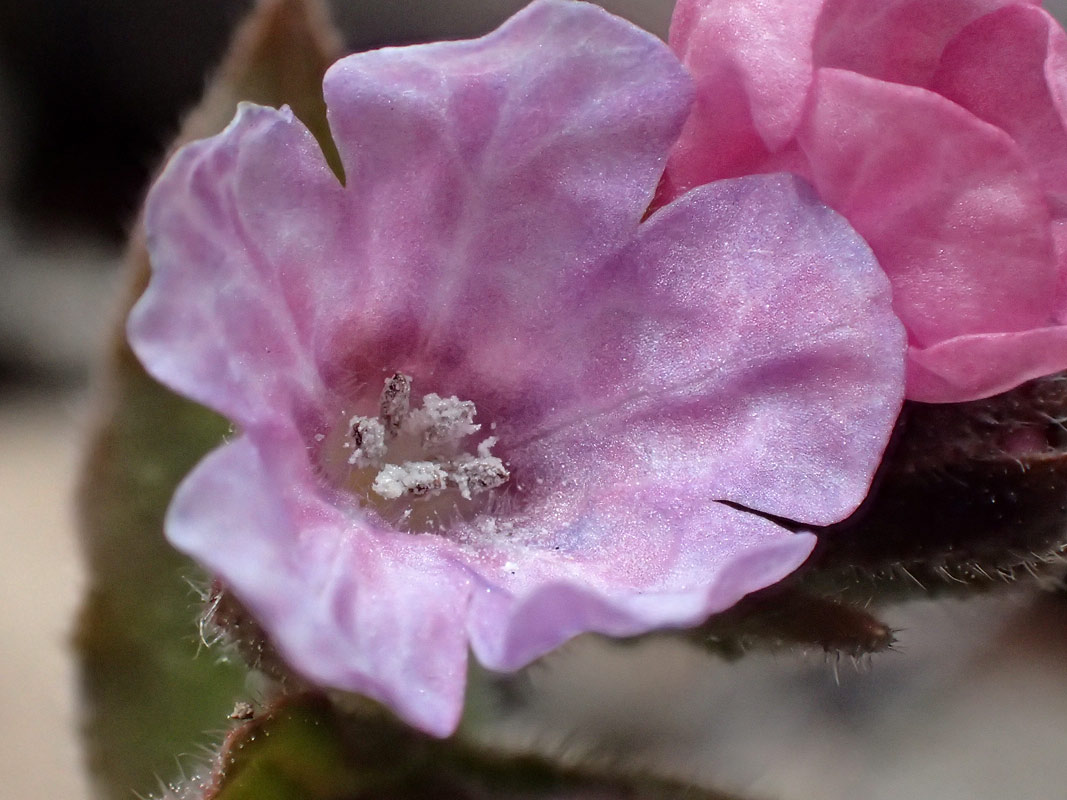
point(480, 404)
point(937, 127)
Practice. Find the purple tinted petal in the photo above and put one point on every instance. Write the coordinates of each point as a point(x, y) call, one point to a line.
point(1009, 68)
point(740, 348)
point(488, 175)
point(745, 345)
point(349, 607)
point(632, 564)
point(219, 321)
point(946, 202)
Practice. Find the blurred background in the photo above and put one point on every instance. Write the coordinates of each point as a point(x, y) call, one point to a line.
point(974, 704)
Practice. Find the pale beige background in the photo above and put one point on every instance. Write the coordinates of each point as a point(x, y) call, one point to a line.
point(40, 586)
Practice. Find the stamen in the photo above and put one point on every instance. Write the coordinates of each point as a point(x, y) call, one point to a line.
point(395, 402)
point(368, 439)
point(414, 478)
point(444, 421)
point(476, 475)
point(414, 465)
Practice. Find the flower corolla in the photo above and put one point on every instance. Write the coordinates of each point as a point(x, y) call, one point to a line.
point(937, 128)
point(479, 402)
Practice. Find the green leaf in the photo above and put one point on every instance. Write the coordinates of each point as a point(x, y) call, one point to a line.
point(148, 695)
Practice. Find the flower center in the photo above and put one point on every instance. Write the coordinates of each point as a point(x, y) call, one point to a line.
point(412, 465)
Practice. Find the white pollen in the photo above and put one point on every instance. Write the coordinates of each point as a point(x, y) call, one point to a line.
point(476, 475)
point(443, 421)
point(414, 478)
point(320, 437)
point(368, 438)
point(395, 402)
point(420, 452)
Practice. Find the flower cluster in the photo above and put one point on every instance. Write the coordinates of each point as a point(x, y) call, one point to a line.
point(937, 128)
point(483, 400)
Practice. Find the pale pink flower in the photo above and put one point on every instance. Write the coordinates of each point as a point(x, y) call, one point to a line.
point(479, 403)
point(936, 127)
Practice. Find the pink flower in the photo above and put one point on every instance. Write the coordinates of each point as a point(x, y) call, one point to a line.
point(480, 403)
point(937, 127)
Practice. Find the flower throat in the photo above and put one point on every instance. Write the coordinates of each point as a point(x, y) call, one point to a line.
point(410, 464)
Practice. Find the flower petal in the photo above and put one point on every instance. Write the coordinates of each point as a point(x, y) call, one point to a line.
point(634, 563)
point(487, 180)
point(751, 61)
point(894, 40)
point(972, 367)
point(764, 45)
point(717, 360)
point(489, 174)
point(349, 607)
point(946, 202)
point(215, 290)
point(1009, 68)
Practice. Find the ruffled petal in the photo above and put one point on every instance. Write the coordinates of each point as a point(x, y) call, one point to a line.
point(945, 201)
point(221, 320)
point(489, 175)
point(1009, 68)
point(744, 345)
point(751, 62)
point(349, 607)
point(634, 563)
point(895, 40)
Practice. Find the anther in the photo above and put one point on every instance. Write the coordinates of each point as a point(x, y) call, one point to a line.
point(412, 478)
point(419, 453)
point(395, 402)
point(476, 475)
point(368, 441)
point(445, 421)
